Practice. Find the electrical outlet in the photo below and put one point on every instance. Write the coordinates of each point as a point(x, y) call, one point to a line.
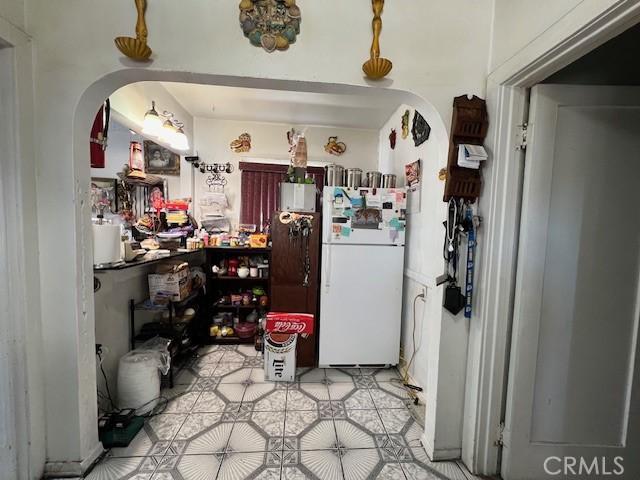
point(423, 292)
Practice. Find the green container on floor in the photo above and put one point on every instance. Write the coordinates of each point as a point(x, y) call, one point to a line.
point(121, 436)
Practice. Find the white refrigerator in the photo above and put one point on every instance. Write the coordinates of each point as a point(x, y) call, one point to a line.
point(361, 279)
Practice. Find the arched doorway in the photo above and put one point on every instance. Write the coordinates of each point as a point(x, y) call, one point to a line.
point(75, 399)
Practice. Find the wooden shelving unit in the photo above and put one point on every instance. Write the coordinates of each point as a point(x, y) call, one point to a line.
point(226, 285)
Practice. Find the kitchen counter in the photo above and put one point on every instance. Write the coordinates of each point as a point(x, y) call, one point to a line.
point(138, 263)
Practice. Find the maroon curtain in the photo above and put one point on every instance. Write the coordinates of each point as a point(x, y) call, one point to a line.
point(260, 190)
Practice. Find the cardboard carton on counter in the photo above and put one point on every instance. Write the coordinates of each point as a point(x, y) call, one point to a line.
point(282, 330)
point(171, 281)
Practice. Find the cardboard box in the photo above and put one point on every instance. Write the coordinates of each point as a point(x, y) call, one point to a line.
point(298, 197)
point(172, 285)
point(280, 356)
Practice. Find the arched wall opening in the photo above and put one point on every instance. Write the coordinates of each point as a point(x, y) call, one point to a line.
point(74, 409)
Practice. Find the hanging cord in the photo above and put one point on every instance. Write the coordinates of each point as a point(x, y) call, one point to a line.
point(404, 381)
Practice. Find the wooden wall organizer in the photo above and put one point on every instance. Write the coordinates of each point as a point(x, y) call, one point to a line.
point(469, 125)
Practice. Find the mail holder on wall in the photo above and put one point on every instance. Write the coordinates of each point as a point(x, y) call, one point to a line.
point(469, 126)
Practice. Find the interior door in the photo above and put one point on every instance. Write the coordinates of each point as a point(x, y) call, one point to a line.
point(573, 400)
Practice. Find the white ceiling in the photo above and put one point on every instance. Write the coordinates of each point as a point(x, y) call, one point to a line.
point(275, 106)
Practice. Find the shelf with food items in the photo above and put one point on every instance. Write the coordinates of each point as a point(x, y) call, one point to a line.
point(241, 267)
point(227, 328)
point(238, 285)
point(256, 298)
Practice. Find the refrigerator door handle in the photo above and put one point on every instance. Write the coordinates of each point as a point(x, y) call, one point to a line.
point(327, 269)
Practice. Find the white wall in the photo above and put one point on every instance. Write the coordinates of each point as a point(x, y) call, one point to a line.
point(524, 31)
point(13, 12)
point(112, 318)
point(441, 338)
point(439, 49)
point(269, 142)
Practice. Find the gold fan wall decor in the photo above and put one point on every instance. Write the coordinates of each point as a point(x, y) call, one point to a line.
point(377, 67)
point(136, 48)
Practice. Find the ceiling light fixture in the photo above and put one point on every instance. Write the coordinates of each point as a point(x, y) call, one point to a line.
point(170, 131)
point(180, 140)
point(152, 122)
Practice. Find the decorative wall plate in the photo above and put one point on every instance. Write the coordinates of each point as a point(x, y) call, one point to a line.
point(421, 129)
point(242, 144)
point(334, 147)
point(270, 24)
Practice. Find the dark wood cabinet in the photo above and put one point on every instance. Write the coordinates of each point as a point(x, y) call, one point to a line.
point(288, 294)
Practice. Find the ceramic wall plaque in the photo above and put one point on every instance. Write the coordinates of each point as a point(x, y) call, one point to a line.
point(405, 124)
point(421, 129)
point(242, 144)
point(334, 147)
point(270, 24)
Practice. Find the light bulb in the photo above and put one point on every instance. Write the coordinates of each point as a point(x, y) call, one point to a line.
point(168, 132)
point(181, 142)
point(152, 122)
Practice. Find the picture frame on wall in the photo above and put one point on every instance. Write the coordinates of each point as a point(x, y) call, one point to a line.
point(105, 190)
point(159, 160)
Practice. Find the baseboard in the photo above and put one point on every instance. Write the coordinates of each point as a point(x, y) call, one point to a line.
point(77, 469)
point(440, 454)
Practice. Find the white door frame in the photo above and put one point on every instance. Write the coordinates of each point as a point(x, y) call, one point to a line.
point(10, 337)
point(21, 389)
point(590, 24)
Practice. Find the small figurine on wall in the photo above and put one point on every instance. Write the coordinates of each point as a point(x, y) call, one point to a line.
point(421, 129)
point(242, 144)
point(405, 124)
point(334, 147)
point(392, 138)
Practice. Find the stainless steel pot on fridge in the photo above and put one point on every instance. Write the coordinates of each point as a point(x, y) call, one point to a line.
point(334, 175)
point(374, 179)
point(353, 178)
point(388, 180)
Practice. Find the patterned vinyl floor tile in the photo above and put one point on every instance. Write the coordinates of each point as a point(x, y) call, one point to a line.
point(352, 435)
point(365, 464)
point(232, 373)
point(312, 465)
point(224, 421)
point(140, 468)
point(190, 467)
point(416, 464)
point(310, 375)
point(402, 428)
point(210, 402)
point(264, 431)
point(352, 396)
point(249, 466)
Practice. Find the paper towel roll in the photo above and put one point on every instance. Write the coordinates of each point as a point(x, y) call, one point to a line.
point(106, 244)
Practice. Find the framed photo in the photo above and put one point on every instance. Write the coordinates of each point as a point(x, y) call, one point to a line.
point(159, 160)
point(105, 191)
